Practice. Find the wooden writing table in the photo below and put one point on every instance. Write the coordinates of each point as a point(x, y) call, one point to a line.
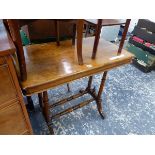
point(49, 65)
point(59, 66)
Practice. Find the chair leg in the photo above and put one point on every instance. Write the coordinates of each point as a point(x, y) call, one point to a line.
point(40, 97)
point(124, 36)
point(46, 106)
point(30, 104)
point(79, 40)
point(99, 101)
point(97, 37)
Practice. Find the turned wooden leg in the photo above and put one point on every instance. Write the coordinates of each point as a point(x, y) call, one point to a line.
point(40, 97)
point(46, 111)
point(124, 36)
point(46, 106)
point(99, 101)
point(30, 104)
point(97, 37)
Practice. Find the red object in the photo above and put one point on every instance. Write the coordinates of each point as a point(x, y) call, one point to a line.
point(148, 44)
point(138, 39)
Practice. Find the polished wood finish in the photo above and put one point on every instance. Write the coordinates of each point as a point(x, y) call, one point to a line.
point(14, 27)
point(13, 115)
point(49, 65)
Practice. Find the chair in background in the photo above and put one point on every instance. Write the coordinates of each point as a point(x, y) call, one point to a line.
point(108, 22)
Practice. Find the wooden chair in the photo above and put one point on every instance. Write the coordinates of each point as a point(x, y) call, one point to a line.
point(44, 66)
point(108, 22)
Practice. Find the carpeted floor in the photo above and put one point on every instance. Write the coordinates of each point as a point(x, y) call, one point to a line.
point(128, 102)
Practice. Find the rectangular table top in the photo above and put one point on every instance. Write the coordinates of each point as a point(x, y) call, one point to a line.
point(49, 65)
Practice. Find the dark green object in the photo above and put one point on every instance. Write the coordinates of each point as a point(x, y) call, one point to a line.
point(144, 58)
point(25, 40)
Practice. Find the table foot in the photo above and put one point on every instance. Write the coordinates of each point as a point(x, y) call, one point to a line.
point(102, 115)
